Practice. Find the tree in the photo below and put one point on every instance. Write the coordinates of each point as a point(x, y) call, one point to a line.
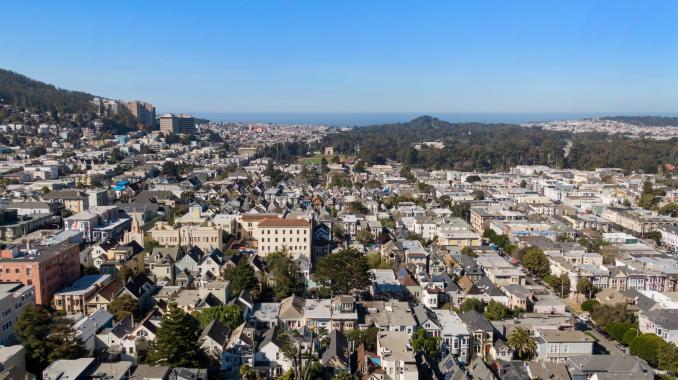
point(589, 305)
point(618, 329)
point(32, 329)
point(149, 244)
point(536, 262)
point(46, 337)
point(585, 287)
point(630, 334)
point(495, 311)
point(473, 304)
point(478, 195)
point(241, 276)
point(124, 273)
point(670, 209)
point(123, 306)
point(343, 271)
point(337, 231)
point(62, 341)
point(364, 236)
point(656, 236)
point(170, 169)
point(247, 372)
point(523, 184)
point(230, 316)
point(473, 178)
point(667, 358)
point(176, 343)
point(357, 207)
point(429, 345)
point(605, 314)
point(647, 346)
point(286, 274)
point(468, 251)
point(368, 337)
point(559, 284)
point(522, 343)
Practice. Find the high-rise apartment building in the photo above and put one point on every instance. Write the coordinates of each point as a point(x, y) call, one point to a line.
point(105, 107)
point(144, 112)
point(171, 123)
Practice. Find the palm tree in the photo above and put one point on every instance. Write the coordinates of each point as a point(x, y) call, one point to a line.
point(522, 343)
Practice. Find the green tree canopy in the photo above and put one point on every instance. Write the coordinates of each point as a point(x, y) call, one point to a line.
point(536, 262)
point(364, 236)
point(429, 345)
point(473, 304)
point(46, 336)
point(585, 287)
point(176, 342)
point(559, 284)
point(241, 276)
point(343, 271)
point(123, 306)
point(605, 314)
point(495, 311)
point(230, 316)
point(286, 274)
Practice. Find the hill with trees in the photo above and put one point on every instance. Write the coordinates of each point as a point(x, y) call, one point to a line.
point(21, 91)
point(646, 121)
point(498, 147)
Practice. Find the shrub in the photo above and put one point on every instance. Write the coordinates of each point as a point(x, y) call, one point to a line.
point(630, 335)
point(589, 305)
point(616, 330)
point(646, 347)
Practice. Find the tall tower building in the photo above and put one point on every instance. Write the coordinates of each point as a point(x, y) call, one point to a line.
point(144, 112)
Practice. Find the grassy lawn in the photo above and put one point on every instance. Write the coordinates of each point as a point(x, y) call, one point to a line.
point(313, 160)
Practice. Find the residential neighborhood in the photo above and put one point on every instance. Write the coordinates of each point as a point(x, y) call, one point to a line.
point(246, 250)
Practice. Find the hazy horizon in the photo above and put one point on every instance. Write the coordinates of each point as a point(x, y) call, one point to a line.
point(350, 119)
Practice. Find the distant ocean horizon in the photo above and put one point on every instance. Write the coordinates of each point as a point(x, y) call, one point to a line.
point(372, 118)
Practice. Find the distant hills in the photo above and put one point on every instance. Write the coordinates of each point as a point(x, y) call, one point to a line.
point(646, 121)
point(22, 91)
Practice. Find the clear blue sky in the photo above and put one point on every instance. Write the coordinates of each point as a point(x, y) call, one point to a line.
point(354, 56)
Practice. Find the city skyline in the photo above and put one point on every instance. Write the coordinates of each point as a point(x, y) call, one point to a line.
point(377, 57)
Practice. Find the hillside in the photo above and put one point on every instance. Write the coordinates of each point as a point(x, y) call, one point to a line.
point(646, 121)
point(467, 146)
point(21, 91)
point(496, 147)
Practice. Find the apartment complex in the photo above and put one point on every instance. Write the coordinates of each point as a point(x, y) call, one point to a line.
point(49, 269)
point(290, 235)
point(144, 112)
point(72, 299)
point(181, 123)
point(14, 297)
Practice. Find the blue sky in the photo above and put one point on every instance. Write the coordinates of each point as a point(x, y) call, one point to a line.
point(354, 56)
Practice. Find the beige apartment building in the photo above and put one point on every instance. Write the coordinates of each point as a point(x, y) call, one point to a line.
point(144, 112)
point(277, 234)
point(203, 237)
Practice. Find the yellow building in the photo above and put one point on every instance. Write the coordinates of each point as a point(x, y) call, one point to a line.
point(290, 235)
point(127, 256)
point(203, 237)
